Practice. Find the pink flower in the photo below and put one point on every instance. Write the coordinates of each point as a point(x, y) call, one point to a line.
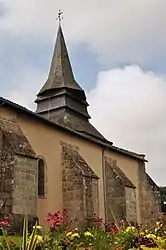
point(4, 223)
point(58, 219)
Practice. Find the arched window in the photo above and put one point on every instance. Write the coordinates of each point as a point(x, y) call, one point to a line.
point(41, 177)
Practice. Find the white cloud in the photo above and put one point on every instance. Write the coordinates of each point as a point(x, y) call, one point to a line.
point(118, 31)
point(31, 80)
point(128, 106)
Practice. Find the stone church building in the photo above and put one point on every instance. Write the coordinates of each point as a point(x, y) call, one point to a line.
point(55, 158)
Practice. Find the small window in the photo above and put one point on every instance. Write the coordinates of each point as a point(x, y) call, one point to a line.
point(41, 175)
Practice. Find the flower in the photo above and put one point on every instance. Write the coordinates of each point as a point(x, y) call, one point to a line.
point(12, 242)
point(58, 219)
point(69, 234)
point(75, 235)
point(88, 234)
point(130, 229)
point(151, 236)
point(4, 223)
point(37, 227)
point(39, 239)
point(113, 228)
point(157, 223)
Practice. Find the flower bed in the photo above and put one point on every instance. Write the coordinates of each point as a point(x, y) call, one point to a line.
point(99, 237)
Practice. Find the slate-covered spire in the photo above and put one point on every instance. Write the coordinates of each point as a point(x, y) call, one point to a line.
point(61, 99)
point(61, 74)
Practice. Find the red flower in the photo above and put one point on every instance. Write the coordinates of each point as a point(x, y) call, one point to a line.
point(113, 228)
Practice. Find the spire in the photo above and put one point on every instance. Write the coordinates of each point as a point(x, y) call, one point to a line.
point(61, 74)
point(61, 100)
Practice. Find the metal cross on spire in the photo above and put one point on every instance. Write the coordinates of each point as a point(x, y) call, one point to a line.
point(60, 17)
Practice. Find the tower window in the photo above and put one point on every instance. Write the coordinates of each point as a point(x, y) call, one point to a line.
point(41, 177)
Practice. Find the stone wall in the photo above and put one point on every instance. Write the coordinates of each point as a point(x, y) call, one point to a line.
point(80, 188)
point(154, 197)
point(120, 194)
point(24, 194)
point(6, 175)
point(25, 186)
point(18, 185)
point(131, 213)
point(91, 204)
point(142, 185)
point(13, 144)
point(115, 196)
point(73, 192)
point(149, 199)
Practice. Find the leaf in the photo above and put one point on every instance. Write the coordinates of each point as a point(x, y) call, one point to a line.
point(1, 246)
point(25, 234)
point(4, 235)
point(33, 239)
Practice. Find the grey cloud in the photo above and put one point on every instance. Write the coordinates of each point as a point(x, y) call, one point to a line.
point(3, 9)
point(117, 31)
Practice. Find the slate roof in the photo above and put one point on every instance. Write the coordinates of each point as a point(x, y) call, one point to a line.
point(16, 138)
point(61, 74)
point(118, 172)
point(76, 124)
point(75, 159)
point(152, 183)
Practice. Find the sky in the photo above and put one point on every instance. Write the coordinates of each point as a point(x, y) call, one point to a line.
point(117, 50)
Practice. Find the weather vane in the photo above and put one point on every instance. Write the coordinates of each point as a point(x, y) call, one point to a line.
point(60, 17)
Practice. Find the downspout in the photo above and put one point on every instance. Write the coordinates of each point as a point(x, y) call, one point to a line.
point(104, 183)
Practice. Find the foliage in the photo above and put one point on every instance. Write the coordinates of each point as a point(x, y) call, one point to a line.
point(26, 243)
point(116, 236)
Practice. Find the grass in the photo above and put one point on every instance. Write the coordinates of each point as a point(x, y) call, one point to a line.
point(15, 239)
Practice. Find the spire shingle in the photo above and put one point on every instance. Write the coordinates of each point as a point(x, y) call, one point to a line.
point(61, 74)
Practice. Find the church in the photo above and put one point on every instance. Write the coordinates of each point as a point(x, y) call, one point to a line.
point(55, 158)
